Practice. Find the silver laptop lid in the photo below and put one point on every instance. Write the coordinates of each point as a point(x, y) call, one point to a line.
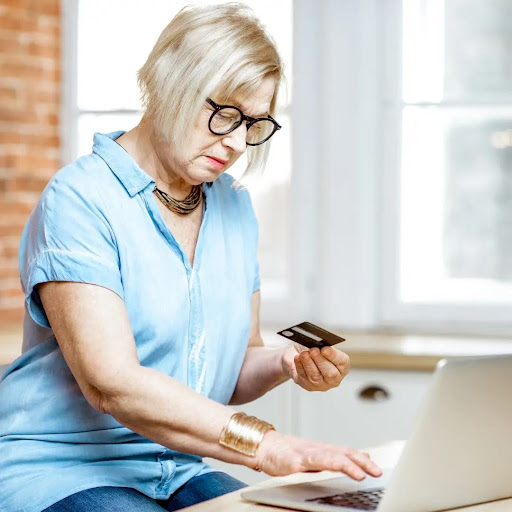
point(460, 451)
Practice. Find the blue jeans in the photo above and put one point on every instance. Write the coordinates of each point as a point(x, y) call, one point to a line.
point(123, 499)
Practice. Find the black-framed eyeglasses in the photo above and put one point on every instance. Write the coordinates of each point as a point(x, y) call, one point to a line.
point(227, 118)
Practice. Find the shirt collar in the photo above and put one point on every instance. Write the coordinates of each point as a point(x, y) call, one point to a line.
point(133, 178)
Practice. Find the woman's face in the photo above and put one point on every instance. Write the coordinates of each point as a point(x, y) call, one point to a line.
point(206, 155)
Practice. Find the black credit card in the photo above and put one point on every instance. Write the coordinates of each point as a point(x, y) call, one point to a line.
point(310, 335)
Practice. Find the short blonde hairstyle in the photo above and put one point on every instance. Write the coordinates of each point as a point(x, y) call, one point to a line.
point(222, 48)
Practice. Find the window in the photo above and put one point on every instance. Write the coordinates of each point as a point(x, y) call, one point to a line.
point(453, 263)
point(107, 41)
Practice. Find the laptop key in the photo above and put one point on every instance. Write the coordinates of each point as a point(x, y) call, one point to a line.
point(360, 500)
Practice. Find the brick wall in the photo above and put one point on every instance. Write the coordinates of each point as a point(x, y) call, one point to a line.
point(29, 128)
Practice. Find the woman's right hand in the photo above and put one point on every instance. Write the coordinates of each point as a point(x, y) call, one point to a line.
point(281, 454)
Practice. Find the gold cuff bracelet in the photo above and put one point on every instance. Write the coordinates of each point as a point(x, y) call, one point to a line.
point(244, 433)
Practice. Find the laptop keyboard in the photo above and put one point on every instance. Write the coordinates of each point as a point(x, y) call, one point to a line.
point(360, 500)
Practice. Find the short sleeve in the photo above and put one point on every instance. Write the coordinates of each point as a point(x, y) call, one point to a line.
point(68, 238)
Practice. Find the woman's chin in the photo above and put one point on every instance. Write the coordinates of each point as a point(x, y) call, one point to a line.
point(203, 175)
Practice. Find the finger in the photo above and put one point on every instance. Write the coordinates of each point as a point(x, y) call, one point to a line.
point(350, 469)
point(330, 372)
point(313, 374)
point(338, 358)
point(300, 348)
point(363, 461)
point(290, 367)
point(301, 372)
point(289, 357)
point(339, 463)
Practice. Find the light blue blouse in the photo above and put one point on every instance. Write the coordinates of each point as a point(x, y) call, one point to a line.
point(97, 222)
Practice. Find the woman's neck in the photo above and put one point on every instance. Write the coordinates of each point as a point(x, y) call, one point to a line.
point(138, 143)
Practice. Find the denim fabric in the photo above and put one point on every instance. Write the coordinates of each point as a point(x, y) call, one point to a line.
point(202, 488)
point(122, 499)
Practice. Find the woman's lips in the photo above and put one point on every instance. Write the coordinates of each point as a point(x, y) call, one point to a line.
point(217, 163)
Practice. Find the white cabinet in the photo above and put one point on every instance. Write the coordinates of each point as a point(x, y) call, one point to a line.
point(369, 407)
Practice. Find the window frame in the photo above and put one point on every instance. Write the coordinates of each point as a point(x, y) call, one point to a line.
point(431, 317)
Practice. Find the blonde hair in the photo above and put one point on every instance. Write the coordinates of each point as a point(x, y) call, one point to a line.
point(222, 48)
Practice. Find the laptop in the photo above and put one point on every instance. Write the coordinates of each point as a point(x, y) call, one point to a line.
point(459, 453)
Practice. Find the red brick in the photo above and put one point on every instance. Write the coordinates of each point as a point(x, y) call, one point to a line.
point(11, 252)
point(49, 7)
point(11, 303)
point(27, 184)
point(7, 162)
point(30, 163)
point(28, 128)
point(19, 60)
point(13, 293)
point(9, 272)
point(10, 230)
point(16, 114)
point(11, 283)
point(28, 69)
point(25, 94)
point(30, 139)
point(9, 316)
point(26, 161)
point(23, 196)
point(10, 44)
point(10, 207)
point(9, 94)
point(16, 219)
point(42, 115)
point(30, 75)
point(49, 52)
point(19, 23)
point(34, 7)
point(48, 39)
point(28, 46)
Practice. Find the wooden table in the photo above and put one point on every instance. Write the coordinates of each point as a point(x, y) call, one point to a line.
point(386, 456)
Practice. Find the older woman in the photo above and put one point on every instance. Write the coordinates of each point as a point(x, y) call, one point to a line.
point(142, 298)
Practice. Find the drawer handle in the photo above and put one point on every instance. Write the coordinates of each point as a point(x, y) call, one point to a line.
point(374, 394)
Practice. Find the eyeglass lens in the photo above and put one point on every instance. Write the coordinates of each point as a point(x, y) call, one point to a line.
point(227, 119)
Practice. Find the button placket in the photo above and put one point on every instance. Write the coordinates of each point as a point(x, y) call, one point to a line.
point(196, 338)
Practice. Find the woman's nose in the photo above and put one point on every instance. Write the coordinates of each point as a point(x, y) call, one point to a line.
point(237, 139)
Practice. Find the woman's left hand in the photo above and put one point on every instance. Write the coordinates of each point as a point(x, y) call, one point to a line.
point(315, 369)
